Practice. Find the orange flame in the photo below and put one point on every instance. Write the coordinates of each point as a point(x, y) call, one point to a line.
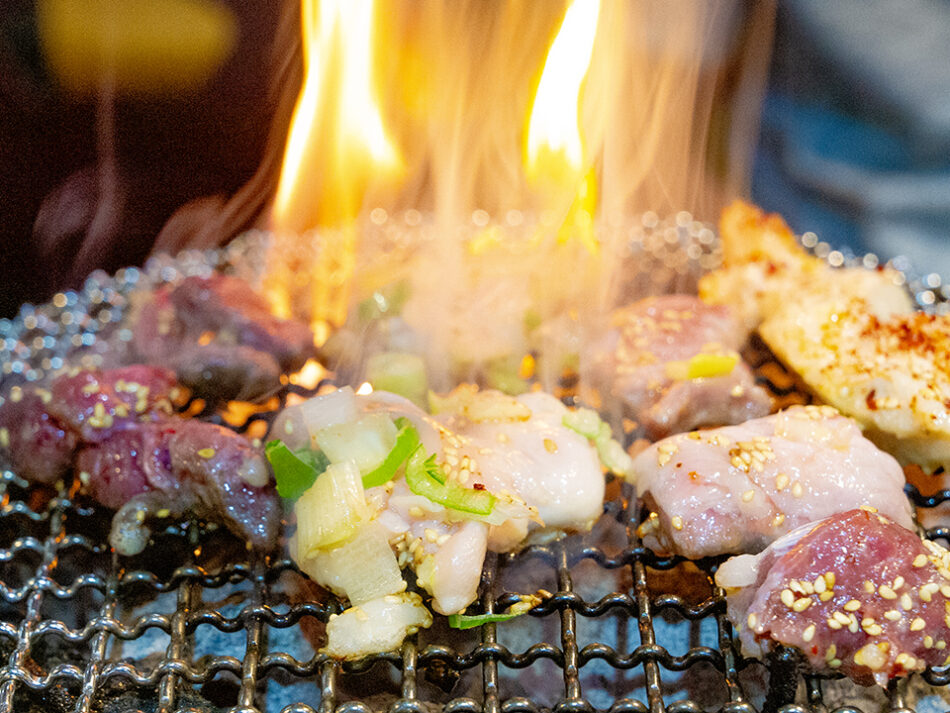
point(336, 125)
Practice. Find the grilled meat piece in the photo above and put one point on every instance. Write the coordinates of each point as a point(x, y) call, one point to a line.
point(517, 448)
point(765, 268)
point(738, 488)
point(856, 593)
point(219, 336)
point(95, 403)
point(35, 444)
point(673, 360)
point(134, 455)
point(851, 334)
point(176, 467)
point(41, 426)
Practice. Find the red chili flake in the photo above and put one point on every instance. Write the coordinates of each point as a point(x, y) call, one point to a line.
point(870, 400)
point(679, 465)
point(478, 486)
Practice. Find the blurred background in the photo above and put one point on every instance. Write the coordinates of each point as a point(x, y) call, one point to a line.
point(845, 117)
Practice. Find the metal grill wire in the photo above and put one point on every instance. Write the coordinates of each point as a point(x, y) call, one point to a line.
point(199, 624)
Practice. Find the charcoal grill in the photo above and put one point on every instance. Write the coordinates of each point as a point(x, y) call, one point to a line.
point(198, 624)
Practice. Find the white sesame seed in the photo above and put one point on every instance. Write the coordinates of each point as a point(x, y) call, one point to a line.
point(809, 633)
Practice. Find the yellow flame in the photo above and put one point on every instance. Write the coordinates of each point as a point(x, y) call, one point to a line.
point(337, 151)
point(553, 126)
point(555, 158)
point(336, 125)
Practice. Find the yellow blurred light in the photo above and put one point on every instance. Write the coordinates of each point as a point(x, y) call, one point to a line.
point(138, 47)
point(553, 132)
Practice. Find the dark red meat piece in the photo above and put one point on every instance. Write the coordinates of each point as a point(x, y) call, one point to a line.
point(181, 466)
point(96, 403)
point(855, 592)
point(220, 337)
point(34, 443)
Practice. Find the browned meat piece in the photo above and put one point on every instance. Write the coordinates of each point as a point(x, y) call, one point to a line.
point(95, 403)
point(220, 337)
point(34, 443)
point(178, 467)
point(855, 593)
point(41, 426)
point(674, 362)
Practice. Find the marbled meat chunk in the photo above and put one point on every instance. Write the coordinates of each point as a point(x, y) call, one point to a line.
point(41, 426)
point(736, 489)
point(34, 444)
point(177, 467)
point(95, 403)
point(674, 362)
point(856, 593)
point(219, 336)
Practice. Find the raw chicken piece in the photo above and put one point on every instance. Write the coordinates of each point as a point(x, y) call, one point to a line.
point(653, 348)
point(179, 466)
point(738, 488)
point(219, 336)
point(544, 472)
point(540, 471)
point(856, 593)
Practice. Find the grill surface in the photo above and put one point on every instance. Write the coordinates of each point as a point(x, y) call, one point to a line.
point(198, 624)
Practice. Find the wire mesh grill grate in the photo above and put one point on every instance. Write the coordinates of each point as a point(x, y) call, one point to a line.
point(197, 623)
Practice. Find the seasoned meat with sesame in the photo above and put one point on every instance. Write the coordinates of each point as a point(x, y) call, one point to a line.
point(674, 363)
point(33, 443)
point(181, 467)
point(42, 425)
point(220, 337)
point(94, 403)
point(892, 374)
point(764, 268)
point(116, 429)
point(851, 334)
point(736, 489)
point(856, 593)
point(540, 473)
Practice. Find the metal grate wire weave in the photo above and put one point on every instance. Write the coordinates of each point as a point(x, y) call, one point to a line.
point(199, 624)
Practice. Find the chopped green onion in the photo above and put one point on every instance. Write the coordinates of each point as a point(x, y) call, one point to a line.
point(294, 471)
point(470, 621)
point(588, 423)
point(385, 302)
point(423, 478)
point(407, 440)
point(399, 372)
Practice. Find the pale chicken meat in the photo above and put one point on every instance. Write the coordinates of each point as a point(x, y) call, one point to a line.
point(851, 334)
point(736, 489)
point(541, 474)
point(892, 374)
point(856, 593)
point(764, 268)
point(673, 361)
